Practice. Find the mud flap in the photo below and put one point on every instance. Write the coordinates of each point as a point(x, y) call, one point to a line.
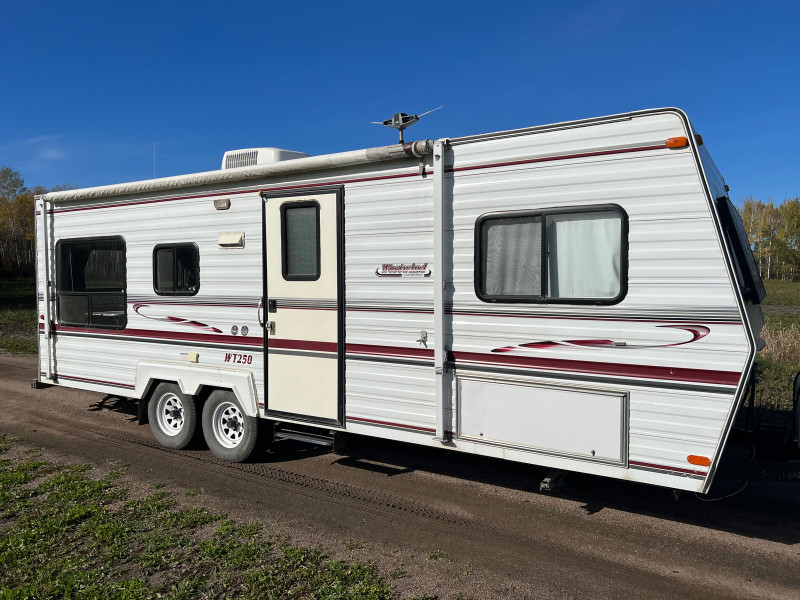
point(142, 411)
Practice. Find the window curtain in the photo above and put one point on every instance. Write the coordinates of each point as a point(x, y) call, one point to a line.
point(584, 255)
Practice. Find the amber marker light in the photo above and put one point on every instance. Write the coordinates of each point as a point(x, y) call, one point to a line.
point(700, 461)
point(677, 142)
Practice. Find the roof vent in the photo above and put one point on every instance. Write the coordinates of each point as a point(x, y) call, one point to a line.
point(257, 156)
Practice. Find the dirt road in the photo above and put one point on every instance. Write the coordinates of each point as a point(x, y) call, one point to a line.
point(450, 524)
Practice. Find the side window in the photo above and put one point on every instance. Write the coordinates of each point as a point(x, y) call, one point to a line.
point(300, 241)
point(176, 269)
point(568, 256)
point(512, 257)
point(91, 282)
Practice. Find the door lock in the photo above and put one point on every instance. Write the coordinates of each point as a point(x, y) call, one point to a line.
point(270, 327)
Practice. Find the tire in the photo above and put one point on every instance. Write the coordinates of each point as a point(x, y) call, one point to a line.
point(230, 434)
point(172, 415)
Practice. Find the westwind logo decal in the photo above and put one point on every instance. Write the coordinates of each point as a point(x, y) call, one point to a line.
point(403, 270)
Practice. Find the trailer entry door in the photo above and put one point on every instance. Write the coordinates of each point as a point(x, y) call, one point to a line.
point(304, 319)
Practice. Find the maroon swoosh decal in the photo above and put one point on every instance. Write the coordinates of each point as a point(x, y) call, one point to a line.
point(698, 332)
point(177, 320)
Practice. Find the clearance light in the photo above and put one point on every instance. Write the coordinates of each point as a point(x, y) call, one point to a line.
point(699, 139)
point(700, 461)
point(677, 142)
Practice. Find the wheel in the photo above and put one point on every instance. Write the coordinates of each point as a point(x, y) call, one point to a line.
point(230, 434)
point(172, 415)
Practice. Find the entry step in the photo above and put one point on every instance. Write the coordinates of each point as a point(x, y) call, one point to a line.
point(332, 439)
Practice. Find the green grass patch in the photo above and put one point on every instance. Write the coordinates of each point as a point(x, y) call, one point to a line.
point(17, 293)
point(18, 345)
point(782, 293)
point(67, 534)
point(774, 389)
point(18, 316)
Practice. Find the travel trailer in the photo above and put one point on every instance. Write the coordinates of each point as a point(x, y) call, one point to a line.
point(580, 296)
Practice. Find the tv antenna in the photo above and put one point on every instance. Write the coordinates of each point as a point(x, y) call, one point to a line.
point(400, 121)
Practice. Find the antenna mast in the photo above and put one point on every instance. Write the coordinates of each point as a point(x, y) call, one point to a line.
point(400, 121)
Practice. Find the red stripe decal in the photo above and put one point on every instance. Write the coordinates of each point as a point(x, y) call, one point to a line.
point(559, 157)
point(603, 368)
point(663, 468)
point(390, 351)
point(303, 345)
point(168, 335)
point(390, 424)
point(657, 372)
point(100, 381)
point(615, 320)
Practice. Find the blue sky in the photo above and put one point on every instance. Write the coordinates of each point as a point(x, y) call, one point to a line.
point(86, 88)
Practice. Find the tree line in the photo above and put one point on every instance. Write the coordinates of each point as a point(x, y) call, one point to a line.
point(774, 234)
point(17, 225)
point(774, 231)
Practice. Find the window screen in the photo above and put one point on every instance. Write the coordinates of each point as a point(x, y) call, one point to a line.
point(90, 282)
point(300, 237)
point(176, 269)
point(513, 256)
point(584, 256)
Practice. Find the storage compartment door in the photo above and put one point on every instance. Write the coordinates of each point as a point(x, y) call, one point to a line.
point(569, 421)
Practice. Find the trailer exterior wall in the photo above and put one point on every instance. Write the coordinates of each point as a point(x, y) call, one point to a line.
point(686, 345)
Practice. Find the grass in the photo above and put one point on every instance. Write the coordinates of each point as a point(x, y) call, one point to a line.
point(17, 293)
point(782, 293)
point(18, 316)
point(779, 361)
point(67, 534)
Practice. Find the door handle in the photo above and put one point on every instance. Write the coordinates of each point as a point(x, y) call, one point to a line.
point(270, 327)
point(261, 312)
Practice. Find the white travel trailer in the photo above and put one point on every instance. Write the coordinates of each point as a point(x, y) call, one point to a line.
point(579, 296)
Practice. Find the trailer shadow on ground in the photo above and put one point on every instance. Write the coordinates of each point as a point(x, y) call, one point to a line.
point(118, 404)
point(763, 510)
